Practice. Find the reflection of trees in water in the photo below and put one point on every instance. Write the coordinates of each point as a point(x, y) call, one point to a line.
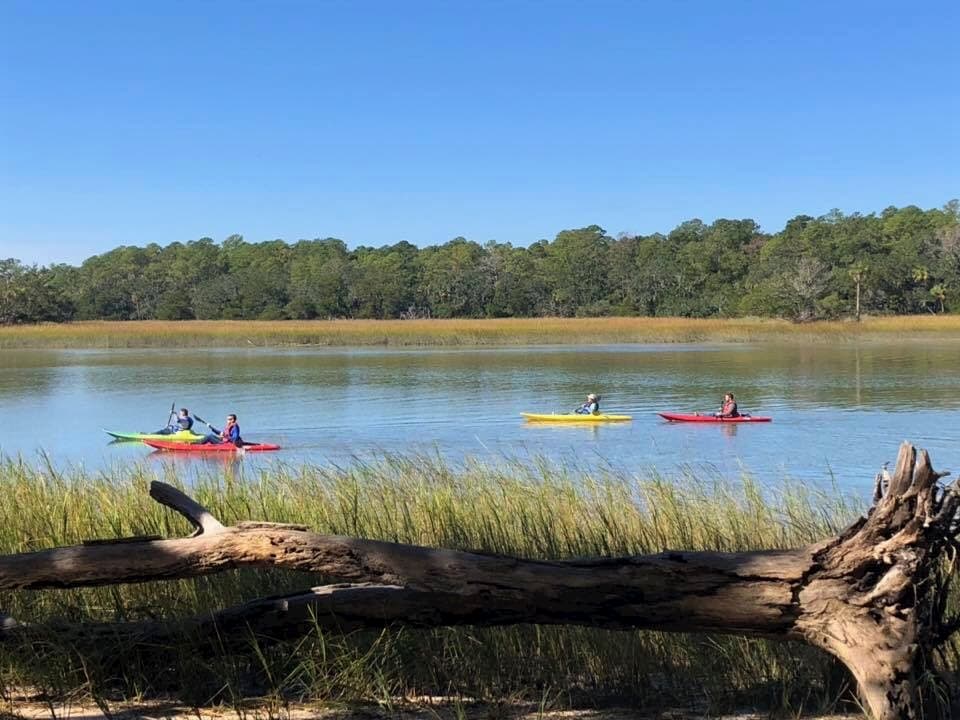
point(882, 375)
point(26, 374)
point(13, 388)
point(847, 375)
point(857, 379)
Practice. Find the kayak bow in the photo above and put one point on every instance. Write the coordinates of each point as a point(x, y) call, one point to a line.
point(681, 417)
point(574, 418)
point(209, 447)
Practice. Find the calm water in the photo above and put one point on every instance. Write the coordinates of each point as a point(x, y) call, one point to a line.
point(839, 412)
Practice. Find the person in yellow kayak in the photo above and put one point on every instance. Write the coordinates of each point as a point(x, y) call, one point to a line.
point(590, 407)
point(183, 423)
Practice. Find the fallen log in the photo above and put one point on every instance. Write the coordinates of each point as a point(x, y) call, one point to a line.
point(872, 596)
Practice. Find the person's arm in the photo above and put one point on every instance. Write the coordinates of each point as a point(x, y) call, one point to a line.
point(235, 434)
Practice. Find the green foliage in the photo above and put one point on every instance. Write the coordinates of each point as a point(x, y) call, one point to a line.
point(900, 261)
point(31, 294)
point(577, 269)
point(456, 280)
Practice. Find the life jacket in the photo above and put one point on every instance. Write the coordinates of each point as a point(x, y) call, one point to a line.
point(228, 430)
point(729, 409)
point(185, 423)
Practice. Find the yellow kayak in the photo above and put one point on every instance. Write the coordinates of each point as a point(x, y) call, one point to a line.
point(574, 418)
point(179, 436)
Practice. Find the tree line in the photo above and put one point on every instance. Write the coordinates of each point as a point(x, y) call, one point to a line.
point(900, 261)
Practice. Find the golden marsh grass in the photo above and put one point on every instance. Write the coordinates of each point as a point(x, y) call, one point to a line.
point(545, 510)
point(511, 331)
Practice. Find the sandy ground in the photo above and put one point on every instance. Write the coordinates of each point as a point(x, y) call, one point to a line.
point(432, 710)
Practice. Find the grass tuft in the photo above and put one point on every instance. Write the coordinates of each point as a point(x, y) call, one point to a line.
point(543, 511)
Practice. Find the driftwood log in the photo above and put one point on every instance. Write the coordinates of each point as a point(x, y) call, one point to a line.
point(873, 596)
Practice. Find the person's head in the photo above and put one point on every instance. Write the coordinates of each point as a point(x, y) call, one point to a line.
point(231, 418)
point(184, 412)
point(591, 397)
point(728, 397)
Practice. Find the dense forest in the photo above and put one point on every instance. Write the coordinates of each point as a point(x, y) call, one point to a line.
point(904, 260)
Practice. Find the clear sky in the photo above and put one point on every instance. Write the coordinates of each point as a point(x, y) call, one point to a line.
point(134, 122)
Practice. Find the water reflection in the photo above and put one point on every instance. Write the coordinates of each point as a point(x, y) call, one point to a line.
point(217, 460)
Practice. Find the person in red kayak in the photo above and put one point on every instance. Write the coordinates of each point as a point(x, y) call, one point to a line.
point(229, 434)
point(590, 407)
point(729, 407)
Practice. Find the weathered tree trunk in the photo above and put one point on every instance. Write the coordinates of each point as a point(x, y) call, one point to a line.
point(872, 596)
point(858, 300)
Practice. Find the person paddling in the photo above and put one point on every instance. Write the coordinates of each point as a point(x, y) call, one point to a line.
point(184, 423)
point(729, 407)
point(590, 407)
point(229, 434)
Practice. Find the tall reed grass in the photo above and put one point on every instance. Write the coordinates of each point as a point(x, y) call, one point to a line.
point(510, 331)
point(541, 510)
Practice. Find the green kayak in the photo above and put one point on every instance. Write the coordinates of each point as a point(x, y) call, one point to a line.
point(184, 436)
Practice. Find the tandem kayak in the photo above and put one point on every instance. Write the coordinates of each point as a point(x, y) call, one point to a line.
point(681, 417)
point(183, 436)
point(574, 418)
point(210, 447)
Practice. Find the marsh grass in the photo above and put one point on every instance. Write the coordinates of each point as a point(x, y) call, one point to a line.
point(507, 331)
point(540, 510)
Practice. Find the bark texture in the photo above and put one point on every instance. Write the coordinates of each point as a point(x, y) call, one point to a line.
point(873, 596)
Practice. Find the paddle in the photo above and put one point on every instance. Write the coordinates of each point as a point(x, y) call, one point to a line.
point(200, 419)
point(170, 417)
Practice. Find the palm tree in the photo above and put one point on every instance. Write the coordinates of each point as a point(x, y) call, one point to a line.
point(857, 271)
point(939, 291)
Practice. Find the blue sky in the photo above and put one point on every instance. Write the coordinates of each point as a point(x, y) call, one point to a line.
point(129, 123)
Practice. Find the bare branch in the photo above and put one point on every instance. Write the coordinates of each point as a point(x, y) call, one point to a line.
point(199, 516)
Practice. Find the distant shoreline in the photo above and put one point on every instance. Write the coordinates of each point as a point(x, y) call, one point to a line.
point(468, 333)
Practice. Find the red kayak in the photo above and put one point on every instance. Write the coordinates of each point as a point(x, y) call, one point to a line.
point(209, 447)
point(681, 417)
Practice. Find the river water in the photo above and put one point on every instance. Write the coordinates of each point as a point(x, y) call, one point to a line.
point(839, 411)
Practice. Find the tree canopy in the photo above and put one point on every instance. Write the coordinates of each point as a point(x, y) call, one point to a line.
point(902, 260)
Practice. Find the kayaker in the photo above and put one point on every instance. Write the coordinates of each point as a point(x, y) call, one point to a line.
point(183, 424)
point(229, 434)
point(590, 407)
point(729, 407)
